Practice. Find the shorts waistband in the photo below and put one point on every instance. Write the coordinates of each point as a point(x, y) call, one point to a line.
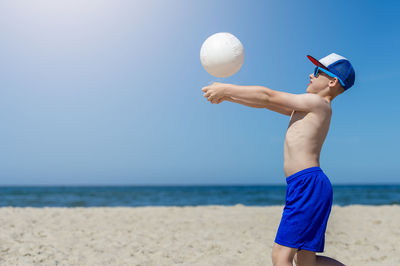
point(302, 172)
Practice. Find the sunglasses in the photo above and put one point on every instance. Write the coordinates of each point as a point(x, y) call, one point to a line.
point(318, 70)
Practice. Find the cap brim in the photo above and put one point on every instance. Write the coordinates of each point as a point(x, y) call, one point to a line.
point(316, 62)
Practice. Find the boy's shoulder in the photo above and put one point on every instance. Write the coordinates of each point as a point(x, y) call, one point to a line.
point(318, 101)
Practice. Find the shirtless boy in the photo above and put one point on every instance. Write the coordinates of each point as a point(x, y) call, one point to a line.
point(301, 232)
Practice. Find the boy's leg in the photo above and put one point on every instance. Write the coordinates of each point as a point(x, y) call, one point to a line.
point(326, 261)
point(282, 256)
point(305, 257)
point(308, 258)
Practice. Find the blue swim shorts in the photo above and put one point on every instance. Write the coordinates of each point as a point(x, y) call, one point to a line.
point(306, 212)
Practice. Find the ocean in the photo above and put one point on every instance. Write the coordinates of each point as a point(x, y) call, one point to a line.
point(135, 196)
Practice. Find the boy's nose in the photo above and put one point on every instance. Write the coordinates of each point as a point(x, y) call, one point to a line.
point(311, 76)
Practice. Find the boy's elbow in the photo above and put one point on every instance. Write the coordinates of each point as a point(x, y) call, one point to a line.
point(267, 96)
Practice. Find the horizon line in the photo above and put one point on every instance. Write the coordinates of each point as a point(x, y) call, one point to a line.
point(184, 185)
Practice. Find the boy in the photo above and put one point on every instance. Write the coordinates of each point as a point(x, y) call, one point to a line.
point(301, 232)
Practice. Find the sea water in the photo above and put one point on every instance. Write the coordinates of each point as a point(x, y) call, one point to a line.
point(255, 195)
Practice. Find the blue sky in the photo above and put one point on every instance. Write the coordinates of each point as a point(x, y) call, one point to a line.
point(109, 92)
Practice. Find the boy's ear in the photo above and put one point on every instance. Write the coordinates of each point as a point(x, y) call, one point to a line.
point(333, 82)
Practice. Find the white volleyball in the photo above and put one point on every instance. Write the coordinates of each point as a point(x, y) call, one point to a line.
point(222, 54)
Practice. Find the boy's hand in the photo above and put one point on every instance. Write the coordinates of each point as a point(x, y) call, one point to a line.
point(215, 92)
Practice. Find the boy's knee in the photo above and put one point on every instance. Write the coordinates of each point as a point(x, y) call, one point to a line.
point(305, 258)
point(275, 257)
point(282, 255)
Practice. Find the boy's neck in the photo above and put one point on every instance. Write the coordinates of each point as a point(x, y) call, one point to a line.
point(326, 94)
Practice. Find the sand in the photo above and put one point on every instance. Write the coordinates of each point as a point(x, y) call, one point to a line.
point(205, 235)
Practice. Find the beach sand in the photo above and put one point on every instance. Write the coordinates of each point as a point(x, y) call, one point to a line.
point(205, 235)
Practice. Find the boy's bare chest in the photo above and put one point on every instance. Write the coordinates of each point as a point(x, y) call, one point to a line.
point(306, 126)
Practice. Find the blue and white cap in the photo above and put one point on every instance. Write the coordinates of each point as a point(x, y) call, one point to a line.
point(339, 66)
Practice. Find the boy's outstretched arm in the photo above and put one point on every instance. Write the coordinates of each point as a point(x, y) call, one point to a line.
point(263, 97)
point(284, 111)
point(252, 101)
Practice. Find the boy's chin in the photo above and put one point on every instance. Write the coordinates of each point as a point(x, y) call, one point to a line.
point(310, 90)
